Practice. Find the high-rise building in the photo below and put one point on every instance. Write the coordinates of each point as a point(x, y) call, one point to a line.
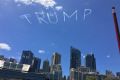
point(46, 67)
point(75, 58)
point(91, 62)
point(36, 64)
point(27, 58)
point(56, 69)
point(56, 58)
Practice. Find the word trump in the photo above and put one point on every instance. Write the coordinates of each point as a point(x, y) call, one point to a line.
point(52, 17)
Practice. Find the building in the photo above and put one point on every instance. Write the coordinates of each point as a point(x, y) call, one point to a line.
point(14, 66)
point(75, 58)
point(78, 74)
point(68, 78)
point(64, 78)
point(56, 58)
point(90, 62)
point(83, 73)
point(13, 60)
point(118, 74)
point(27, 58)
point(1, 57)
point(46, 66)
point(75, 74)
point(84, 69)
point(6, 74)
point(56, 69)
point(109, 73)
point(6, 59)
point(36, 65)
point(56, 72)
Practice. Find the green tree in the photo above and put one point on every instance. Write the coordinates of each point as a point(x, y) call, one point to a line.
point(91, 78)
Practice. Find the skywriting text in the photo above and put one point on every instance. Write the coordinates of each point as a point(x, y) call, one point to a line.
point(53, 17)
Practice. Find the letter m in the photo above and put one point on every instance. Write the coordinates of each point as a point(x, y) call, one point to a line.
point(70, 16)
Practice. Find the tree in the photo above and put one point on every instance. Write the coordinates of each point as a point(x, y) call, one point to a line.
point(91, 78)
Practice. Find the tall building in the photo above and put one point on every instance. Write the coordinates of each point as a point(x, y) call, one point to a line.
point(75, 58)
point(36, 64)
point(56, 58)
point(46, 67)
point(56, 69)
point(27, 58)
point(91, 62)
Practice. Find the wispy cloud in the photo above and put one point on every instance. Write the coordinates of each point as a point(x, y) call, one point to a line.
point(5, 46)
point(108, 56)
point(58, 8)
point(45, 3)
point(41, 51)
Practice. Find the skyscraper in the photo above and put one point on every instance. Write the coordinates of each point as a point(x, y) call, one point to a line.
point(75, 58)
point(27, 57)
point(46, 67)
point(56, 58)
point(56, 69)
point(90, 62)
point(36, 64)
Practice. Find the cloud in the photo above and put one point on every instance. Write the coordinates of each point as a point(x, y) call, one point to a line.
point(58, 8)
point(108, 56)
point(41, 51)
point(5, 46)
point(45, 3)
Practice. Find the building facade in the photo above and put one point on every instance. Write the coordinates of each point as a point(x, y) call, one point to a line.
point(46, 66)
point(56, 58)
point(75, 58)
point(90, 62)
point(36, 64)
point(27, 58)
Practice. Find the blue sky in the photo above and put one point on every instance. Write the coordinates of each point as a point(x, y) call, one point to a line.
point(94, 34)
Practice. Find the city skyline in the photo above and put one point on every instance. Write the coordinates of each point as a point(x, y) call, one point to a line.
point(56, 60)
point(94, 34)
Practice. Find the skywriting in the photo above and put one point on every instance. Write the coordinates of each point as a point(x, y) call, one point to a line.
point(47, 17)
